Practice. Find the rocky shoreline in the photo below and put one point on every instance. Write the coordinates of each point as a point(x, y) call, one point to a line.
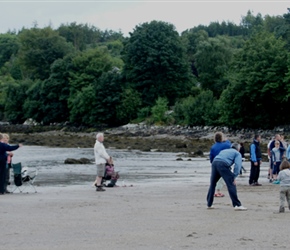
point(192, 140)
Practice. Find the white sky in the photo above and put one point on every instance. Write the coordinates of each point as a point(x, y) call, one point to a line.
point(125, 15)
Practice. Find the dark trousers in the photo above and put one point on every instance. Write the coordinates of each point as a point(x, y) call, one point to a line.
point(254, 173)
point(7, 180)
point(220, 169)
point(2, 176)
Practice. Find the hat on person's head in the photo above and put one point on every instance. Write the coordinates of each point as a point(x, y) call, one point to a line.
point(235, 146)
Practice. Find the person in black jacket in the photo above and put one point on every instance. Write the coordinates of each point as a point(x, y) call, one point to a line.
point(256, 160)
point(3, 161)
point(242, 152)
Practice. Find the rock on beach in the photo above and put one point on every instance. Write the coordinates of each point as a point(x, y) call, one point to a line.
point(139, 137)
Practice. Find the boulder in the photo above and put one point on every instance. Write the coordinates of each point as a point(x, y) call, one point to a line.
point(77, 161)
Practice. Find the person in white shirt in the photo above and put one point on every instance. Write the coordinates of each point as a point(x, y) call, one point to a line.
point(101, 158)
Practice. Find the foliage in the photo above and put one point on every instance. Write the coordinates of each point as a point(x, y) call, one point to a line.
point(108, 89)
point(39, 48)
point(197, 111)
point(130, 101)
point(158, 110)
point(143, 113)
point(155, 62)
point(80, 35)
point(94, 90)
point(213, 58)
point(95, 103)
point(256, 97)
point(14, 99)
point(221, 74)
point(9, 46)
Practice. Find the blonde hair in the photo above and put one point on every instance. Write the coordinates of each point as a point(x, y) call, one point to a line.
point(6, 136)
point(284, 165)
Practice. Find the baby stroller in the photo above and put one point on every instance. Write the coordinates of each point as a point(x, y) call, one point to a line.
point(110, 175)
point(23, 177)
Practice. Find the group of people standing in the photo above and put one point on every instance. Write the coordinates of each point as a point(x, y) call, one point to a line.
point(224, 155)
point(5, 161)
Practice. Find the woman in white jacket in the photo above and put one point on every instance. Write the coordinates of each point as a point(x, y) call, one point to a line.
point(101, 158)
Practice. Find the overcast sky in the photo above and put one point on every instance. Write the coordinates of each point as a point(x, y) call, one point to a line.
point(125, 15)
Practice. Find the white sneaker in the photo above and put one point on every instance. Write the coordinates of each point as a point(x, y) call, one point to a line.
point(240, 208)
point(212, 207)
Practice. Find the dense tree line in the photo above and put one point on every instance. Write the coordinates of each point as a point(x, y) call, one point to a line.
point(222, 74)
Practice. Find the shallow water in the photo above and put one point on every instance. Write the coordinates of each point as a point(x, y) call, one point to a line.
point(135, 167)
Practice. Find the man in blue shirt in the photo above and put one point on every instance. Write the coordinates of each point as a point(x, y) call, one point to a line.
point(221, 167)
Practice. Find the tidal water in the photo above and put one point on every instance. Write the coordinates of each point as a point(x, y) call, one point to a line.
point(134, 166)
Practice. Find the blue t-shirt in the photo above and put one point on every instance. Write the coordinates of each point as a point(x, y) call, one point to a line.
point(217, 148)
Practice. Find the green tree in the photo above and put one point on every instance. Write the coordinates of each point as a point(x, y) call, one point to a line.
point(80, 35)
point(130, 101)
point(191, 39)
point(55, 92)
point(282, 29)
point(87, 67)
point(39, 48)
point(256, 96)
point(159, 109)
point(9, 46)
point(33, 104)
point(110, 35)
point(47, 100)
point(15, 94)
point(212, 61)
point(94, 88)
point(96, 103)
point(197, 111)
point(251, 23)
point(156, 63)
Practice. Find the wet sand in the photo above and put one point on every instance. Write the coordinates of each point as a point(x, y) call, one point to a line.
point(158, 213)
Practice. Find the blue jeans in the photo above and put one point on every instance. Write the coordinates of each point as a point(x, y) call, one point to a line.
point(220, 169)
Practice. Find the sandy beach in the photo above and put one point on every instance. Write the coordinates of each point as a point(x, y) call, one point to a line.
point(172, 216)
point(166, 213)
